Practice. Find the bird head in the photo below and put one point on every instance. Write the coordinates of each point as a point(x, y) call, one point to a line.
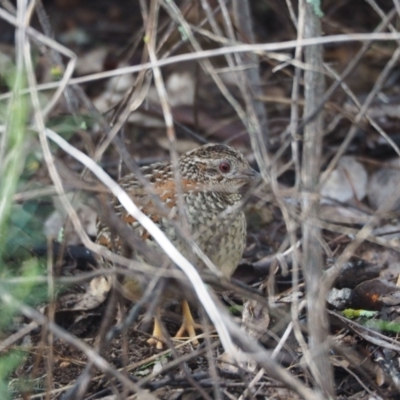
point(217, 167)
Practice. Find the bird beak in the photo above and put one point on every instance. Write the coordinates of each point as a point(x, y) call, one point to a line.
point(250, 174)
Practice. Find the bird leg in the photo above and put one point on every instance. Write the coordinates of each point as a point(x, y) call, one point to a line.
point(188, 325)
point(157, 338)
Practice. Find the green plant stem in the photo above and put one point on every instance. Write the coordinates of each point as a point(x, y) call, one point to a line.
point(12, 162)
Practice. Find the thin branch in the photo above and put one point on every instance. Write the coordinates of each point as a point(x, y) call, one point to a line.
point(198, 55)
point(318, 327)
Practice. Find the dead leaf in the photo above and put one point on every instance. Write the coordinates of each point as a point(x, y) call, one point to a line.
point(346, 183)
point(96, 294)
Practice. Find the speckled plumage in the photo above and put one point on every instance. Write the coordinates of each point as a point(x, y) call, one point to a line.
point(211, 198)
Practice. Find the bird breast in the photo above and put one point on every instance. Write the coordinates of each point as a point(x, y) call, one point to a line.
point(217, 225)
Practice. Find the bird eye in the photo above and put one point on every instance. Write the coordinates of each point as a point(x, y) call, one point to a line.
point(224, 167)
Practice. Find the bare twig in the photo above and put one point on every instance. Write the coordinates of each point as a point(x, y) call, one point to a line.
point(312, 263)
point(252, 88)
point(255, 48)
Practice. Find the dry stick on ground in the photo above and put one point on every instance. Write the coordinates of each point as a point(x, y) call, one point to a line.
point(82, 382)
point(91, 354)
point(318, 331)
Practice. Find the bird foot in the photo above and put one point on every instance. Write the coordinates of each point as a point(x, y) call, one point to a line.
point(187, 329)
point(157, 343)
point(188, 325)
point(157, 340)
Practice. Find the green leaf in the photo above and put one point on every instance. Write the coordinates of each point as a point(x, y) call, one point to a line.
point(12, 161)
point(381, 325)
point(352, 314)
point(9, 363)
point(67, 125)
point(25, 229)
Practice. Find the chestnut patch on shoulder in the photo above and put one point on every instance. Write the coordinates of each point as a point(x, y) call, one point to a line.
point(129, 219)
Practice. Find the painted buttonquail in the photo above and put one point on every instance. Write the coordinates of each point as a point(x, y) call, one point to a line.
point(211, 179)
